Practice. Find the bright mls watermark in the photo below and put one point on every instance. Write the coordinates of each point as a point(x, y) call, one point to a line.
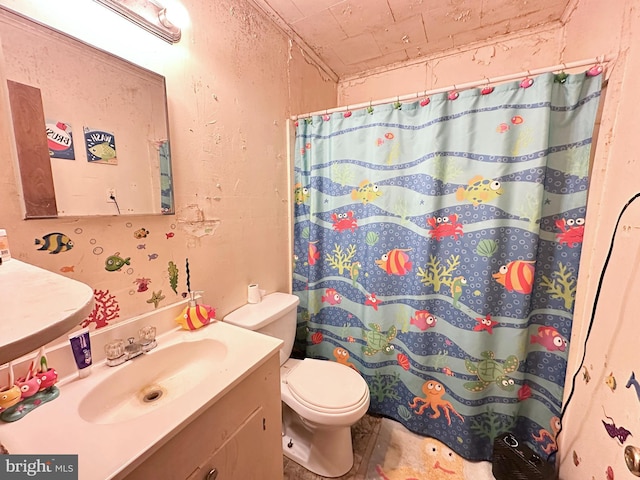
point(46, 467)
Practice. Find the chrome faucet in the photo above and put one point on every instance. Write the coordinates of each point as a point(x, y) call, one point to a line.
point(118, 353)
point(133, 349)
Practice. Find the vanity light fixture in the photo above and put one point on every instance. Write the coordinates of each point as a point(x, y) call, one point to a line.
point(146, 14)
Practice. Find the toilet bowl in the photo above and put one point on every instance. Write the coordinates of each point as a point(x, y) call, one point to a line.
point(321, 399)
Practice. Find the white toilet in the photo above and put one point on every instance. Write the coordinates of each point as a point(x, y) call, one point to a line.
point(321, 399)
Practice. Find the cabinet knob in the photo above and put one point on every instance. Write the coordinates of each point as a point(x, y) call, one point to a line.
point(212, 475)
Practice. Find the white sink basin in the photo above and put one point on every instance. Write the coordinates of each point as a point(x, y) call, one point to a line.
point(152, 380)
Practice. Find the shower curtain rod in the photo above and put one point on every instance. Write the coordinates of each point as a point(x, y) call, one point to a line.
point(463, 86)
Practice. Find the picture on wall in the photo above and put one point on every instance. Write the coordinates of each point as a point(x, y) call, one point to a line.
point(101, 146)
point(60, 140)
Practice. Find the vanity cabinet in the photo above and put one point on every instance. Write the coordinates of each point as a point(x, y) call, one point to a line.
point(239, 436)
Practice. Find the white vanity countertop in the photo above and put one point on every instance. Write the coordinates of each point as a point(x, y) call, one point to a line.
point(106, 450)
point(37, 306)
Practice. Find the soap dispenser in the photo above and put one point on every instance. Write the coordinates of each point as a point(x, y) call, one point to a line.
point(195, 315)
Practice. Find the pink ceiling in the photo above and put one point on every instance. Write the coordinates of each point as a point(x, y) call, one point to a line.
point(353, 36)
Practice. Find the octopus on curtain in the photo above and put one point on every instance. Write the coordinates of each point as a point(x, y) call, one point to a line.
point(433, 398)
point(342, 357)
point(544, 436)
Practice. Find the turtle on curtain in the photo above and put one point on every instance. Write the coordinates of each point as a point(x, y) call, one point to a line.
point(436, 252)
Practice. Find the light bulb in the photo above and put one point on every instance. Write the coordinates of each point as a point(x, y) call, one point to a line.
point(174, 13)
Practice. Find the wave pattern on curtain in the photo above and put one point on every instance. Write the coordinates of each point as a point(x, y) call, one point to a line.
point(436, 252)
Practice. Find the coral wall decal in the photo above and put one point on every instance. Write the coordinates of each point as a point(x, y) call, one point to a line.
point(105, 309)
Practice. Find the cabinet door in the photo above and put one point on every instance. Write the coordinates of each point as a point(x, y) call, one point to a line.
point(247, 421)
point(242, 457)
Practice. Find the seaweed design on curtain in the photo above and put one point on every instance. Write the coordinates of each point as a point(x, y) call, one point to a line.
point(436, 251)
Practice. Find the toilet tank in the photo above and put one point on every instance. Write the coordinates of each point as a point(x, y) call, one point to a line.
point(275, 315)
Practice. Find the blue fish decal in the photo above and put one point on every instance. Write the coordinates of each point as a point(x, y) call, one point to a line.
point(54, 243)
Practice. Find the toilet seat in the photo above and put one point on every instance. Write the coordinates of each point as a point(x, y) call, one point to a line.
point(327, 387)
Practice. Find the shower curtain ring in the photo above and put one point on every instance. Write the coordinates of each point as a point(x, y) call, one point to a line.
point(487, 89)
point(527, 82)
point(425, 101)
point(370, 108)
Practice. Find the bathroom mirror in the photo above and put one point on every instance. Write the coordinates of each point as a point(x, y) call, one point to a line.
point(91, 129)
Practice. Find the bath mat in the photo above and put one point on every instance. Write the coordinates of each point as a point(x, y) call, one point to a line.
point(402, 455)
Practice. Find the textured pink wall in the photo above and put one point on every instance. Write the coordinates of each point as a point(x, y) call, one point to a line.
point(232, 82)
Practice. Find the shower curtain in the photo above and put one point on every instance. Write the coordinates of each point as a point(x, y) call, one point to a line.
point(436, 252)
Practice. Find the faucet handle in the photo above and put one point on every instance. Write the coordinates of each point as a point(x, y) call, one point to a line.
point(115, 352)
point(147, 337)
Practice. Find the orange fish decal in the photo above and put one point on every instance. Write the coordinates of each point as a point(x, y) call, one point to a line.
point(67, 269)
point(516, 276)
point(395, 262)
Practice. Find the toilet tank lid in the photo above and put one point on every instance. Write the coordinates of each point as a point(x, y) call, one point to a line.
point(254, 316)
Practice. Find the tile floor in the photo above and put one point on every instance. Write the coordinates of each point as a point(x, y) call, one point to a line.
point(364, 434)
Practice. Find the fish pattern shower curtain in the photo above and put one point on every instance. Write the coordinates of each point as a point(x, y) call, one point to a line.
point(436, 252)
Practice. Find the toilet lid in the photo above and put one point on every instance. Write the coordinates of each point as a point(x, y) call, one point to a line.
point(327, 386)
